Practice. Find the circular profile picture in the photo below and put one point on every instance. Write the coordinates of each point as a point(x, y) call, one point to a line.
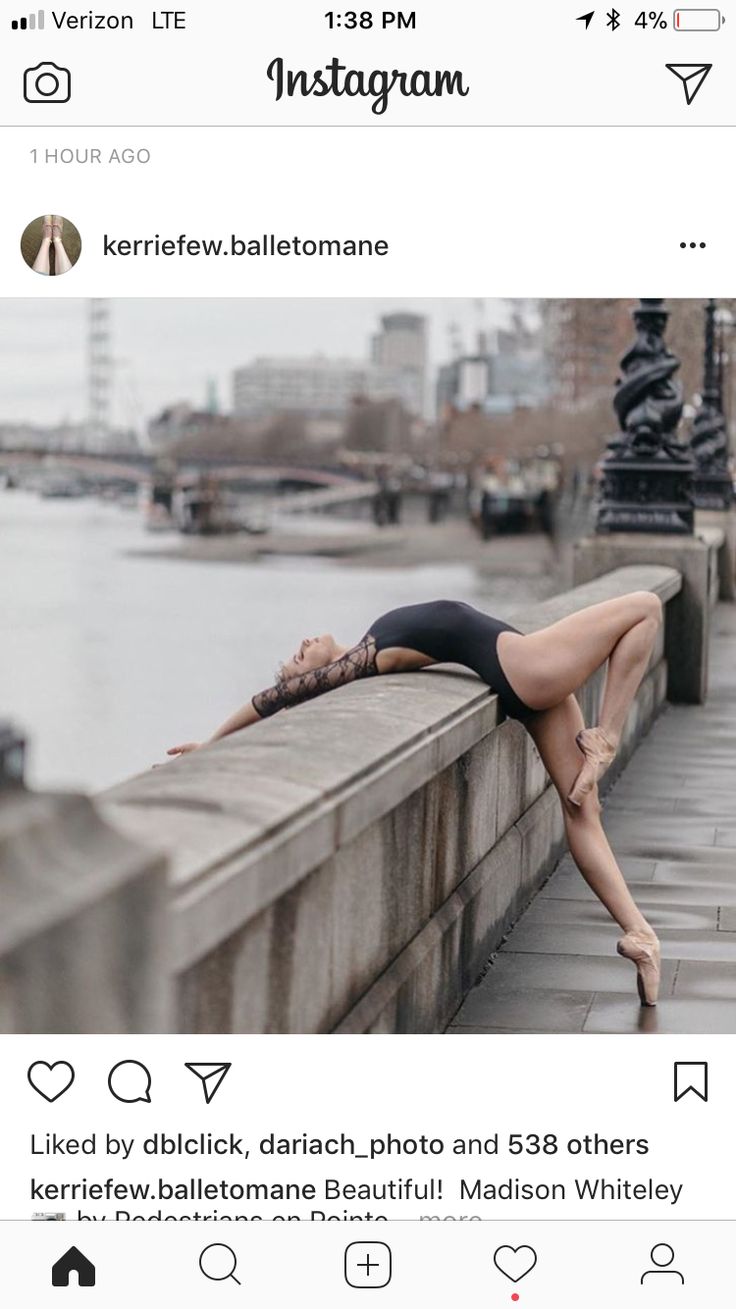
point(51, 245)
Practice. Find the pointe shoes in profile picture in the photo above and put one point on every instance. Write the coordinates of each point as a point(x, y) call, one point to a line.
point(51, 245)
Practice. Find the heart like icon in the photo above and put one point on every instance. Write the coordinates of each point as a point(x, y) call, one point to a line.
point(51, 1080)
point(515, 1262)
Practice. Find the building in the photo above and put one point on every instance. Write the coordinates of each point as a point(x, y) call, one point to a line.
point(62, 437)
point(585, 340)
point(181, 422)
point(316, 386)
point(401, 346)
point(507, 373)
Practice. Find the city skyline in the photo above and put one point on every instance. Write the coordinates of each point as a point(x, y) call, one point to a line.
point(164, 352)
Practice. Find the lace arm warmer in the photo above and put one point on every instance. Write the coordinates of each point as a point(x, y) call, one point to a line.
point(357, 663)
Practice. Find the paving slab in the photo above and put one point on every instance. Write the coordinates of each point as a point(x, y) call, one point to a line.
point(578, 938)
point(611, 1013)
point(716, 870)
point(659, 909)
point(646, 831)
point(567, 883)
point(698, 980)
point(528, 1010)
point(726, 836)
point(671, 819)
point(655, 895)
point(557, 972)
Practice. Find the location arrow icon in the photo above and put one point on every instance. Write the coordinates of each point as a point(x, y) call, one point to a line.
point(587, 19)
point(692, 77)
point(211, 1076)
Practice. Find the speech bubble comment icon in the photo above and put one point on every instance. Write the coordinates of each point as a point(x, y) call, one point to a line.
point(130, 1082)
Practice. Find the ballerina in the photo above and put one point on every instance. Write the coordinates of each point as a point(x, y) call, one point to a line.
point(536, 677)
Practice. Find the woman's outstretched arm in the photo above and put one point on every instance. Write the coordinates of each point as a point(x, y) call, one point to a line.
point(356, 663)
point(242, 717)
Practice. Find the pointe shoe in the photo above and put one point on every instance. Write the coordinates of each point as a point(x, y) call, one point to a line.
point(643, 951)
point(57, 226)
point(598, 754)
point(48, 227)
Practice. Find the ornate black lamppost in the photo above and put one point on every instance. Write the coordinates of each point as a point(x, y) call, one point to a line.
point(712, 485)
point(647, 473)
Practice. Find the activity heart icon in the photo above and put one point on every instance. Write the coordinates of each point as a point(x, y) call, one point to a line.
point(51, 1080)
point(515, 1262)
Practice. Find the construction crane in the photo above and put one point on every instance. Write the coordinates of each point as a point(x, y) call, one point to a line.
point(99, 373)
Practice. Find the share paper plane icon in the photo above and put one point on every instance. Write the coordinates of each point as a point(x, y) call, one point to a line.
point(692, 77)
point(211, 1076)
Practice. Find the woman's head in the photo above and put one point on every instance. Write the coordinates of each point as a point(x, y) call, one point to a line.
point(314, 652)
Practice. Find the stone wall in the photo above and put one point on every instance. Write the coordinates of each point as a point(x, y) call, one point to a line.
point(347, 866)
point(83, 922)
point(351, 864)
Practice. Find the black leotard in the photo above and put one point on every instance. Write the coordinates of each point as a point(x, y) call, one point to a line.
point(447, 631)
point(443, 630)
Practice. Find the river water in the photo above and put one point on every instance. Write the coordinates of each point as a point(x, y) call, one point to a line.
point(107, 658)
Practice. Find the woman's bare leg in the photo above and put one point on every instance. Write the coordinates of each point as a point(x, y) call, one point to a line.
point(62, 262)
point(42, 262)
point(547, 666)
point(554, 733)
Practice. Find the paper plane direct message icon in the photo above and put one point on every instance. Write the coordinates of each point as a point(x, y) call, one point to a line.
point(692, 77)
point(691, 1078)
point(211, 1076)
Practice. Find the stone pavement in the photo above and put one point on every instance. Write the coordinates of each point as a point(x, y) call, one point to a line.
point(671, 819)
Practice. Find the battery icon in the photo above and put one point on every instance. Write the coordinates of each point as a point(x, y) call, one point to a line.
point(698, 20)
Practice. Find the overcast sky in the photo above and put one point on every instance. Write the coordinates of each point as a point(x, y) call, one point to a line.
point(166, 350)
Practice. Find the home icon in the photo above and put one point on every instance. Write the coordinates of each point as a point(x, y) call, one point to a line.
point(73, 1262)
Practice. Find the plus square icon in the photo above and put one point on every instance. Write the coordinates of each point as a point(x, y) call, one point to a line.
point(368, 1265)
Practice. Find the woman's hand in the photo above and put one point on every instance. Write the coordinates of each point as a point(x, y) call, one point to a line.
point(243, 718)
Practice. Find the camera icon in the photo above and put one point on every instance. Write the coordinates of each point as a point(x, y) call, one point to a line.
point(47, 84)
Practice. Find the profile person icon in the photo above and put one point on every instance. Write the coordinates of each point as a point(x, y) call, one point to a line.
point(662, 1256)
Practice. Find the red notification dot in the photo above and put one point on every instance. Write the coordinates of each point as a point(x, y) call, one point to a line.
point(514, 1296)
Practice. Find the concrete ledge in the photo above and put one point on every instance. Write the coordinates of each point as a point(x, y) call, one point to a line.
point(349, 865)
point(724, 522)
point(688, 621)
point(82, 931)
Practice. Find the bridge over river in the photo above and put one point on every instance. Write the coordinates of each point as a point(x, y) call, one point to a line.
point(139, 467)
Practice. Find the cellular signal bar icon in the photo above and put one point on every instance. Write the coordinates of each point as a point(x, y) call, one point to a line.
point(34, 22)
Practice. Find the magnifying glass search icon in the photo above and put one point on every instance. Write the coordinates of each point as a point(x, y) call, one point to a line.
point(218, 1263)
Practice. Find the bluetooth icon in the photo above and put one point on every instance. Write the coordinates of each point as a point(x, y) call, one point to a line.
point(613, 19)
